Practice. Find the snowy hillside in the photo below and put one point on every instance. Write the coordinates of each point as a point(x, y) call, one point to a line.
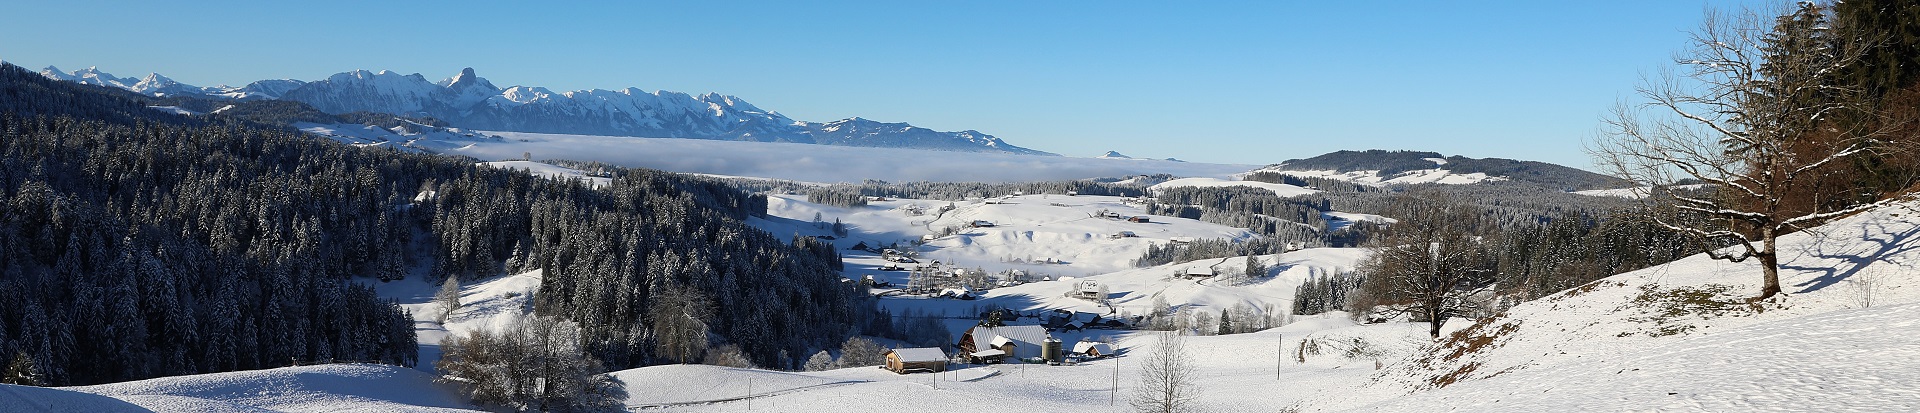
point(1025, 230)
point(1281, 190)
point(1380, 167)
point(1680, 336)
point(320, 388)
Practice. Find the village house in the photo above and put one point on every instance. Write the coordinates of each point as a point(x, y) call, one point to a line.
point(1198, 272)
point(1092, 349)
point(905, 360)
point(1138, 218)
point(982, 344)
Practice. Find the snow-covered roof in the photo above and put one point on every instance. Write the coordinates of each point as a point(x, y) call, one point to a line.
point(1083, 346)
point(1023, 336)
point(918, 354)
point(989, 353)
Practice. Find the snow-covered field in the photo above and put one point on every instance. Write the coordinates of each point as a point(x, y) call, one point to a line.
point(1026, 229)
point(1669, 338)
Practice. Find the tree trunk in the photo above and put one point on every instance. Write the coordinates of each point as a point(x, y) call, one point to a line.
point(1434, 320)
point(1770, 265)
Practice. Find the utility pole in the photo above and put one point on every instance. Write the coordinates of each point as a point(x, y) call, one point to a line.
point(749, 393)
point(1279, 354)
point(1115, 393)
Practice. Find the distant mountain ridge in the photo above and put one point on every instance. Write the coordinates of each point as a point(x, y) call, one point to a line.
point(1387, 164)
point(472, 102)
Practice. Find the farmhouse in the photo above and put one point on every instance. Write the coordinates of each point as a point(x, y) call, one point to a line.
point(1088, 290)
point(904, 360)
point(1198, 272)
point(1138, 218)
point(1092, 349)
point(1123, 234)
point(984, 344)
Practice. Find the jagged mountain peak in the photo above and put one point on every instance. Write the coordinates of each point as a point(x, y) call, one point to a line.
point(1115, 154)
point(470, 101)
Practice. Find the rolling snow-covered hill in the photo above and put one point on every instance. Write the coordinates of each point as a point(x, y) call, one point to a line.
point(1681, 336)
point(1379, 168)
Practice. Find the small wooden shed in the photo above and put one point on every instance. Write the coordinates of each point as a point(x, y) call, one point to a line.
point(906, 360)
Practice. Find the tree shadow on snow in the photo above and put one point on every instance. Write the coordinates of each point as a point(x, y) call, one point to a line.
point(1888, 246)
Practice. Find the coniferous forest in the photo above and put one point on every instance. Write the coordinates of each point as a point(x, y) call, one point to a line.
point(142, 244)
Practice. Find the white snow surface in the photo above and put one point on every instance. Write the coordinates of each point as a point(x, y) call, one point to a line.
point(1282, 190)
point(319, 388)
point(819, 163)
point(1629, 193)
point(1026, 228)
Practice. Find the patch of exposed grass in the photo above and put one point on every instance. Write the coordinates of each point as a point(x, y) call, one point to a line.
point(1670, 311)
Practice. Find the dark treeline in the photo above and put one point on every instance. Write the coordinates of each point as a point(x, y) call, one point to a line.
point(1240, 206)
point(1574, 249)
point(841, 196)
point(144, 250)
point(1323, 293)
point(1504, 204)
point(1200, 249)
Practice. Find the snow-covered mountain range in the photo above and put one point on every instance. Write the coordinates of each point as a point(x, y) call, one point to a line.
point(469, 101)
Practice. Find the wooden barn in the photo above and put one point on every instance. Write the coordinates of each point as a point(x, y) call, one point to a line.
point(984, 344)
point(907, 360)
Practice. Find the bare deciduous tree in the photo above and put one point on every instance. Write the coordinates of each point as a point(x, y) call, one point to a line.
point(678, 317)
point(448, 299)
point(534, 363)
point(1750, 109)
point(1428, 265)
point(1166, 378)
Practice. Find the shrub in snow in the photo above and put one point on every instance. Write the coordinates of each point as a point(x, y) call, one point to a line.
point(531, 364)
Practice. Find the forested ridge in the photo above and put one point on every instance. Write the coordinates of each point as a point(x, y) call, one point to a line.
point(136, 244)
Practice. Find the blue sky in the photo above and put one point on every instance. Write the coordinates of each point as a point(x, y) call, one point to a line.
point(1232, 82)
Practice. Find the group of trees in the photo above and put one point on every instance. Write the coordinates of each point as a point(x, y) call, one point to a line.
point(145, 250)
point(1319, 294)
point(531, 364)
point(136, 244)
point(1795, 118)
